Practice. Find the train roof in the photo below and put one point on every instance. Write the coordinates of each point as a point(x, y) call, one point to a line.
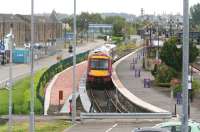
point(103, 49)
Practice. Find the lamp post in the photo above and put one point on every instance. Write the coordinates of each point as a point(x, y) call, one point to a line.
point(32, 120)
point(86, 28)
point(157, 53)
point(184, 125)
point(170, 24)
point(10, 84)
point(65, 30)
point(74, 69)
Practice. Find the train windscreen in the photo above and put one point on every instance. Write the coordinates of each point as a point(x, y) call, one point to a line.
point(99, 64)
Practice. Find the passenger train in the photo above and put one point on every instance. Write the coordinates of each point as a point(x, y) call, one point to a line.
point(100, 64)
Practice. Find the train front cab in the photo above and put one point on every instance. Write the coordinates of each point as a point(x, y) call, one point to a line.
point(99, 69)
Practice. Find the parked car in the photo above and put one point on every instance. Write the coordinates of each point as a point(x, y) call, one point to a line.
point(150, 129)
point(175, 126)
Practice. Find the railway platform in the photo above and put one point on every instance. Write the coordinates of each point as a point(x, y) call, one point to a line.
point(153, 96)
point(59, 90)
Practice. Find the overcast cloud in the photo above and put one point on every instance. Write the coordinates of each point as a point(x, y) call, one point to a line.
point(66, 6)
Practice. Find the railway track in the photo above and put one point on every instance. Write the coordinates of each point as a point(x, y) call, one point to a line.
point(94, 102)
point(116, 103)
point(105, 101)
point(196, 66)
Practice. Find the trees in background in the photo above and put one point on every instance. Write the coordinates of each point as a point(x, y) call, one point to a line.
point(120, 26)
point(195, 19)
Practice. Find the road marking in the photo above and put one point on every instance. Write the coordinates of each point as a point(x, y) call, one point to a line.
point(111, 128)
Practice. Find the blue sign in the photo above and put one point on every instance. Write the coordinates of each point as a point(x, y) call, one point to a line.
point(69, 36)
point(2, 47)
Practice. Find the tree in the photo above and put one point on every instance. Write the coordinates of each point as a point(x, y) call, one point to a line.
point(118, 24)
point(195, 13)
point(172, 56)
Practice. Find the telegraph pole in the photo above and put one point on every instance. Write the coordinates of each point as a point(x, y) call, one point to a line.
point(32, 120)
point(74, 70)
point(185, 66)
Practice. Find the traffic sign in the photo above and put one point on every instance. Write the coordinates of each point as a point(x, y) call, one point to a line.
point(2, 47)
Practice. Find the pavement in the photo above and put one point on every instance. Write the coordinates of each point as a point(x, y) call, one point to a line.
point(156, 96)
point(21, 70)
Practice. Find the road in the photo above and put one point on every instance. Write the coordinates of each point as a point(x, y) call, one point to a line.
point(110, 125)
point(20, 70)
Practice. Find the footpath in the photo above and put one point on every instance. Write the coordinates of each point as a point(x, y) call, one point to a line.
point(159, 97)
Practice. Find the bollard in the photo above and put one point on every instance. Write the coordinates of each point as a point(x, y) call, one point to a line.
point(148, 83)
point(135, 72)
point(133, 60)
point(144, 83)
point(175, 110)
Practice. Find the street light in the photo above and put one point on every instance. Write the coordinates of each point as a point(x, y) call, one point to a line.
point(157, 53)
point(32, 120)
point(184, 124)
point(10, 84)
point(74, 69)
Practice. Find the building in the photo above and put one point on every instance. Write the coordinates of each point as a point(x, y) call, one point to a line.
point(100, 29)
point(47, 28)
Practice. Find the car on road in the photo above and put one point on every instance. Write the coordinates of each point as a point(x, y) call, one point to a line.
point(175, 126)
point(150, 129)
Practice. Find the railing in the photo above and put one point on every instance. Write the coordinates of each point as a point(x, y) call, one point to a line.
point(53, 70)
point(164, 115)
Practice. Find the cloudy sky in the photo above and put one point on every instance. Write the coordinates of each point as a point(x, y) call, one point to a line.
point(66, 6)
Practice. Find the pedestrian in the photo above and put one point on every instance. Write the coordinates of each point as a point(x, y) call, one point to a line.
point(139, 72)
point(70, 107)
point(190, 95)
point(178, 97)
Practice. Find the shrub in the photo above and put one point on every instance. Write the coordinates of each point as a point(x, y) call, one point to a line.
point(165, 74)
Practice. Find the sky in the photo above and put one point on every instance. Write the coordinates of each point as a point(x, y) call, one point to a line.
point(93, 6)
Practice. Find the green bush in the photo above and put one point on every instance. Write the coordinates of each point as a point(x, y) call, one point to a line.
point(117, 39)
point(195, 87)
point(165, 74)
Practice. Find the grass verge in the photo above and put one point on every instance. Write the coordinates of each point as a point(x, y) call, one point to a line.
point(21, 96)
point(40, 126)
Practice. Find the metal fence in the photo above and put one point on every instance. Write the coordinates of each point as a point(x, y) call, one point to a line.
point(125, 116)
